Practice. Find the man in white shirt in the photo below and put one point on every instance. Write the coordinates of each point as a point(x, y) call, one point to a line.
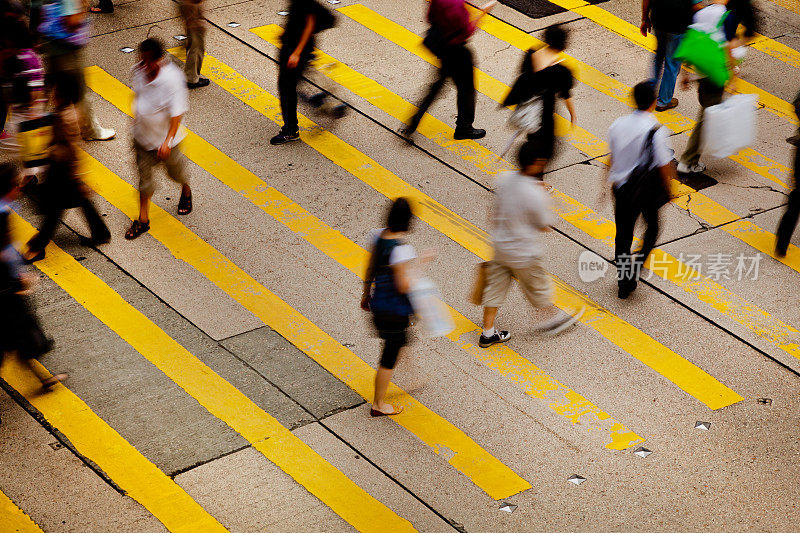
point(522, 210)
point(159, 103)
point(630, 157)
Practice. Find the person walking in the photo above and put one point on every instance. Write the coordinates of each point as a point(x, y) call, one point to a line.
point(20, 331)
point(640, 169)
point(522, 211)
point(667, 20)
point(543, 79)
point(63, 187)
point(789, 219)
point(194, 26)
point(451, 28)
point(306, 19)
point(386, 286)
point(159, 103)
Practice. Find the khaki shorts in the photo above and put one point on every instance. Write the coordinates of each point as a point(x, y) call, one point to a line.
point(534, 281)
point(146, 160)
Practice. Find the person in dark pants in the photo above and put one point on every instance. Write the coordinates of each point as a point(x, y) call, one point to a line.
point(789, 219)
point(668, 20)
point(306, 19)
point(628, 139)
point(451, 28)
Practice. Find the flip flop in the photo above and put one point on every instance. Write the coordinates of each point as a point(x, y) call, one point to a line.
point(185, 204)
point(375, 413)
point(136, 229)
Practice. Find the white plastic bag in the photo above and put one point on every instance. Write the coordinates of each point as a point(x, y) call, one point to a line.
point(730, 126)
point(429, 307)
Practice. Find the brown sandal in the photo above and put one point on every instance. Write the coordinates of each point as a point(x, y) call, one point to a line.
point(185, 204)
point(136, 229)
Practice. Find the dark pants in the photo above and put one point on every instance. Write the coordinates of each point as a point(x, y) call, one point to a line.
point(789, 220)
point(625, 216)
point(53, 210)
point(666, 67)
point(287, 89)
point(708, 94)
point(392, 329)
point(457, 63)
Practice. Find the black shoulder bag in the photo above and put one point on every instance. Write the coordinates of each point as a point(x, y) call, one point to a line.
point(645, 186)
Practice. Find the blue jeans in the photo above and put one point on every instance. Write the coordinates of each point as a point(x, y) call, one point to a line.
point(666, 67)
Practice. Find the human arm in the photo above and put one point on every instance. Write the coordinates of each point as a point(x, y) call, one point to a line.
point(308, 30)
point(165, 149)
point(573, 117)
point(646, 24)
point(402, 277)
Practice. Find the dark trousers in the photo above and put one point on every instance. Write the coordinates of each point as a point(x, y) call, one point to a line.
point(287, 90)
point(53, 210)
point(625, 216)
point(789, 219)
point(457, 63)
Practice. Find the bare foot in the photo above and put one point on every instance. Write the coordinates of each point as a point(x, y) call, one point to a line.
point(58, 378)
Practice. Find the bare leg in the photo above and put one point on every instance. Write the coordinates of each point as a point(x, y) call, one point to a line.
point(144, 208)
point(382, 378)
point(489, 314)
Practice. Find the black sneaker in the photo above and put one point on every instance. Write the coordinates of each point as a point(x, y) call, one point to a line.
point(469, 133)
point(498, 337)
point(201, 82)
point(625, 290)
point(317, 100)
point(282, 137)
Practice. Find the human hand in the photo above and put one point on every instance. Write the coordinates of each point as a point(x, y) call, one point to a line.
point(293, 60)
point(164, 150)
point(645, 27)
point(365, 302)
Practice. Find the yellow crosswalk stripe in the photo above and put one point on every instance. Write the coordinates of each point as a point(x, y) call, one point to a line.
point(14, 519)
point(216, 395)
point(684, 374)
point(697, 203)
point(773, 48)
point(670, 268)
point(535, 383)
point(790, 5)
point(596, 14)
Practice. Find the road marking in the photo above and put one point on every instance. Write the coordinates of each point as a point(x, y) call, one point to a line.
point(778, 107)
point(790, 5)
point(760, 323)
point(211, 391)
point(533, 381)
point(690, 378)
point(14, 519)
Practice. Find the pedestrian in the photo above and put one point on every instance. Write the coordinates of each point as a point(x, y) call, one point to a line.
point(451, 28)
point(306, 18)
point(667, 20)
point(788, 221)
point(542, 80)
point(159, 103)
point(194, 26)
point(63, 187)
point(386, 286)
point(639, 171)
point(65, 30)
point(522, 211)
point(708, 19)
point(20, 331)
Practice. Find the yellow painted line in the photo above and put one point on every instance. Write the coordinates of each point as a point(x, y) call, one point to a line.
point(12, 518)
point(670, 268)
point(577, 409)
point(773, 104)
point(778, 50)
point(790, 5)
point(216, 395)
point(684, 374)
point(89, 434)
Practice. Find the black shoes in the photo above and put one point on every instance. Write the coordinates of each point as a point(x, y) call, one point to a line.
point(201, 82)
point(498, 337)
point(282, 138)
point(469, 133)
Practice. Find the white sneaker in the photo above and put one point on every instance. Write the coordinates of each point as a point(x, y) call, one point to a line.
point(560, 322)
point(102, 134)
point(697, 168)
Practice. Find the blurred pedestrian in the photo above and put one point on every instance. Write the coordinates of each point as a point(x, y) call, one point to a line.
point(63, 187)
point(65, 30)
point(709, 18)
point(159, 103)
point(386, 286)
point(20, 331)
point(640, 170)
point(451, 28)
point(194, 26)
point(542, 80)
point(668, 20)
point(789, 219)
point(522, 211)
point(306, 19)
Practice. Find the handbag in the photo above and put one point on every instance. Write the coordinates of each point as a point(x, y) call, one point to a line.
point(644, 186)
point(527, 116)
point(35, 137)
point(730, 126)
point(698, 49)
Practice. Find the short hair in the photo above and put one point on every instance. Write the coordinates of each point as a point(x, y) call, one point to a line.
point(66, 87)
point(399, 218)
point(152, 47)
point(530, 152)
point(644, 94)
point(8, 178)
point(556, 37)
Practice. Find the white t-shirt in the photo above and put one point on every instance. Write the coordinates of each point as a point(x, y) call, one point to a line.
point(400, 253)
point(156, 102)
point(708, 20)
point(522, 209)
point(627, 136)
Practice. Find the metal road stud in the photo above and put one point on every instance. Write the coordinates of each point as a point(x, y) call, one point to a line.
point(576, 479)
point(705, 426)
point(642, 452)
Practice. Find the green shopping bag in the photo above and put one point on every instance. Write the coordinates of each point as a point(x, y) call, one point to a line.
point(706, 55)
